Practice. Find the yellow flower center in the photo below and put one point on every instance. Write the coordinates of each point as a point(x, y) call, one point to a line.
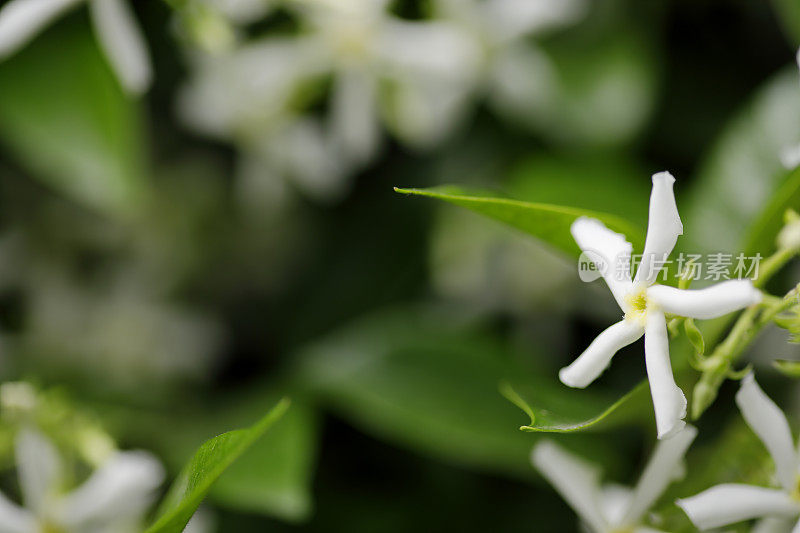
point(637, 305)
point(49, 527)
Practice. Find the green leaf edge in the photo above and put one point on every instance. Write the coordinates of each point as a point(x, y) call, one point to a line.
point(170, 519)
point(507, 390)
point(787, 367)
point(614, 222)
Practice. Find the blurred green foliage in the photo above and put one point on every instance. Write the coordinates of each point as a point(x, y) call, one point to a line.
point(133, 277)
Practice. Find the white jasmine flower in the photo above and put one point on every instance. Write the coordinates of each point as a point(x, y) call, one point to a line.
point(119, 36)
point(645, 303)
point(113, 499)
point(732, 502)
point(245, 96)
point(517, 75)
point(429, 67)
point(611, 508)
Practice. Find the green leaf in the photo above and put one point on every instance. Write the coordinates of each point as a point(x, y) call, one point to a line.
point(764, 230)
point(578, 411)
point(724, 211)
point(789, 16)
point(694, 335)
point(787, 368)
point(428, 378)
point(64, 116)
point(547, 222)
point(272, 477)
point(208, 464)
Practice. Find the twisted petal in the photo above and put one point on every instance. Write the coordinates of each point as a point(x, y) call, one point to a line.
point(119, 490)
point(711, 302)
point(609, 251)
point(730, 503)
point(663, 227)
point(769, 423)
point(20, 20)
point(122, 43)
point(596, 358)
point(658, 473)
point(15, 519)
point(668, 400)
point(39, 468)
point(574, 479)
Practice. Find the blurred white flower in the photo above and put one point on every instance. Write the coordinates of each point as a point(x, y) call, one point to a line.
point(517, 76)
point(790, 155)
point(124, 332)
point(413, 75)
point(645, 302)
point(114, 499)
point(612, 508)
point(733, 502)
point(119, 35)
point(246, 97)
point(416, 75)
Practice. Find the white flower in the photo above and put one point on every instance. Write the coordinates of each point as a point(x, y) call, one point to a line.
point(429, 68)
point(245, 96)
point(113, 500)
point(732, 502)
point(612, 508)
point(119, 36)
point(517, 75)
point(645, 303)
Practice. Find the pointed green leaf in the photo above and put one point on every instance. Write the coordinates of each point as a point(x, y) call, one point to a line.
point(427, 378)
point(208, 464)
point(547, 222)
point(575, 411)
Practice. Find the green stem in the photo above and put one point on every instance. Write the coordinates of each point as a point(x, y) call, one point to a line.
point(772, 264)
point(718, 366)
point(719, 363)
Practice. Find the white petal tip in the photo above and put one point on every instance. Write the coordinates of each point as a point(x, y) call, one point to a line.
point(665, 177)
point(571, 379)
point(670, 432)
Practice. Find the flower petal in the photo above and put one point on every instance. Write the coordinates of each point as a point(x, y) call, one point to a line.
point(602, 245)
point(122, 489)
point(123, 44)
point(773, 524)
point(39, 468)
point(20, 20)
point(663, 227)
point(711, 302)
point(668, 400)
point(730, 503)
point(596, 358)
point(769, 423)
point(658, 473)
point(354, 115)
point(15, 519)
point(574, 479)
point(511, 19)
